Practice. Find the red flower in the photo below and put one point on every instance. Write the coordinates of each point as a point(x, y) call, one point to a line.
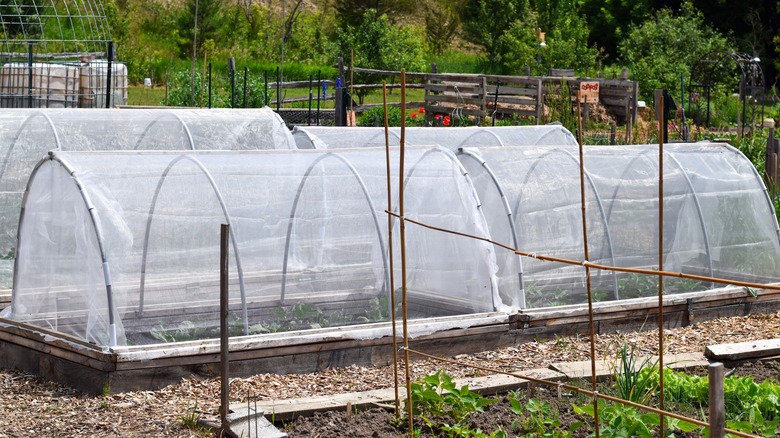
point(437, 116)
point(422, 110)
point(414, 115)
point(446, 121)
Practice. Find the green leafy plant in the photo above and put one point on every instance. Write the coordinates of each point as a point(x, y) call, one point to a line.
point(637, 286)
point(191, 420)
point(536, 418)
point(436, 397)
point(620, 420)
point(185, 332)
point(750, 407)
point(634, 375)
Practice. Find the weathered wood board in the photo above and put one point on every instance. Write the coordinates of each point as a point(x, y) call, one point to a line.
point(744, 350)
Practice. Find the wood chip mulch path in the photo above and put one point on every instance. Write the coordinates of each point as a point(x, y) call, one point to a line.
point(31, 407)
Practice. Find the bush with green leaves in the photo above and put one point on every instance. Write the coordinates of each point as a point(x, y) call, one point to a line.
point(566, 46)
point(378, 44)
point(185, 89)
point(658, 51)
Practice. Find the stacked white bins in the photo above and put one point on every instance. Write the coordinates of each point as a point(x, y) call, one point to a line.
point(94, 82)
point(53, 85)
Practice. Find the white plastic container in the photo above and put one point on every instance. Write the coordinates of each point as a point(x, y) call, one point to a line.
point(94, 81)
point(53, 85)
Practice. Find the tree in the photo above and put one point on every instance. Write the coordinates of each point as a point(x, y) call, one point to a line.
point(566, 45)
point(20, 20)
point(210, 20)
point(485, 21)
point(377, 44)
point(667, 46)
point(441, 23)
point(610, 20)
point(352, 12)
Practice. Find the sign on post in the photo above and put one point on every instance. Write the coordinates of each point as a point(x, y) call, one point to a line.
point(589, 91)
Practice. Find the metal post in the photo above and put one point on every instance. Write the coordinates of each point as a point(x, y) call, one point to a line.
point(682, 107)
point(209, 84)
point(232, 72)
point(194, 56)
point(308, 118)
point(265, 82)
point(319, 88)
point(278, 91)
point(339, 102)
point(246, 72)
point(108, 73)
point(30, 75)
point(612, 133)
point(224, 347)
point(716, 401)
point(495, 103)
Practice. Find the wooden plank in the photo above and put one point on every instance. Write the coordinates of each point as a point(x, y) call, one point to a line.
point(286, 409)
point(515, 100)
point(605, 368)
point(518, 112)
point(510, 91)
point(447, 77)
point(462, 100)
point(744, 350)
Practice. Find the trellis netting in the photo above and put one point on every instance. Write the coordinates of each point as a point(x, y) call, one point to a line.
point(323, 137)
point(123, 248)
point(26, 136)
point(119, 248)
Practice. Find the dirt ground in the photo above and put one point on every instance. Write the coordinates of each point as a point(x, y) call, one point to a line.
point(379, 423)
point(30, 407)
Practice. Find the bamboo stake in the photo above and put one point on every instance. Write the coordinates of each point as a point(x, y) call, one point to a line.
point(390, 249)
point(591, 324)
point(661, 265)
point(404, 306)
point(591, 264)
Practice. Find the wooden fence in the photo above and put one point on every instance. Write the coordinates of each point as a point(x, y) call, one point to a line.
point(507, 96)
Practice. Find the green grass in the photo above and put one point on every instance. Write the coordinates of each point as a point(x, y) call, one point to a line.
point(453, 61)
point(145, 96)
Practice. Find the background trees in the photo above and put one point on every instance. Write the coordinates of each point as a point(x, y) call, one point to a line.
point(660, 50)
point(655, 39)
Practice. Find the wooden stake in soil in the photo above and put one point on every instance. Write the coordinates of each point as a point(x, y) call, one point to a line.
point(404, 306)
point(660, 103)
point(587, 269)
point(717, 403)
point(224, 345)
point(390, 250)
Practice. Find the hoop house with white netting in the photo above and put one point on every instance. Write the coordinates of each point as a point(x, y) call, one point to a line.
point(321, 137)
point(27, 135)
point(122, 248)
point(133, 243)
point(58, 54)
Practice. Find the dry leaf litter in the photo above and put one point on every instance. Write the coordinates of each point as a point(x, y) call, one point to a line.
point(32, 407)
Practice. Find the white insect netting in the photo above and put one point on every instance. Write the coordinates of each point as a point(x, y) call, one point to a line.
point(120, 248)
point(323, 137)
point(27, 135)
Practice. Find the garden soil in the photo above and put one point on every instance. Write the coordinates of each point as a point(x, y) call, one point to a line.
point(32, 407)
point(380, 423)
